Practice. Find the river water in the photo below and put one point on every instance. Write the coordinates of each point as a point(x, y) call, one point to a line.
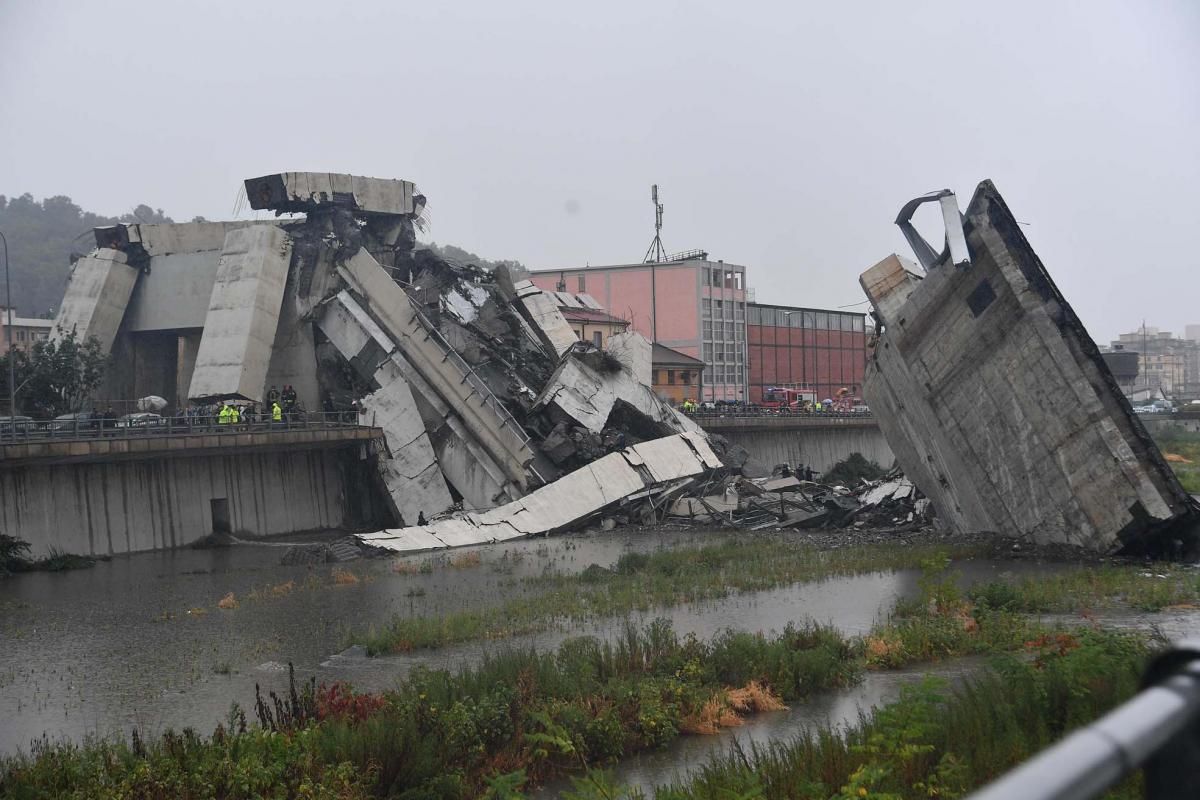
point(139, 641)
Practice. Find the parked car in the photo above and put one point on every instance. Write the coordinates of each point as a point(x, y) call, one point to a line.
point(142, 419)
point(70, 423)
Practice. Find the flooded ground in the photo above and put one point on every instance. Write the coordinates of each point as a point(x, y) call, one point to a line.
point(139, 641)
point(836, 709)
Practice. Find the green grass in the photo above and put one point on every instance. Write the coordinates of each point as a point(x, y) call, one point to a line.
point(936, 741)
point(641, 582)
point(443, 734)
point(14, 557)
point(1093, 588)
point(1186, 445)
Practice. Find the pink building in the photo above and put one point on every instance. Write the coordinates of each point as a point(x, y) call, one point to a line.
point(694, 306)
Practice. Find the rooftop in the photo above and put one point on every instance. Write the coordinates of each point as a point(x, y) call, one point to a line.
point(662, 354)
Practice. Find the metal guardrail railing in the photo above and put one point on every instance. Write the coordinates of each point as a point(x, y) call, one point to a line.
point(478, 385)
point(124, 428)
point(772, 412)
point(1158, 730)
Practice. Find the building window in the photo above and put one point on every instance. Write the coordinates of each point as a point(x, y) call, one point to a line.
point(20, 336)
point(670, 377)
point(598, 339)
point(582, 280)
point(685, 377)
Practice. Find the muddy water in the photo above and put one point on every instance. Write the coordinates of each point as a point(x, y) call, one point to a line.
point(140, 642)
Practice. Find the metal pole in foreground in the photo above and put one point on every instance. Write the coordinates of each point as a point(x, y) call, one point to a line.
point(1157, 729)
point(12, 381)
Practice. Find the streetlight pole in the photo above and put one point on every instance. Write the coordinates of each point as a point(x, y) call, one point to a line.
point(12, 381)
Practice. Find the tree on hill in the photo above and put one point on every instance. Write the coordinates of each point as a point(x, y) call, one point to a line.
point(452, 253)
point(42, 238)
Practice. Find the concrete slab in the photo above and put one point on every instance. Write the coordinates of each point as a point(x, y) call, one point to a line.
point(635, 353)
point(412, 476)
point(97, 296)
point(588, 397)
point(299, 191)
point(541, 311)
point(484, 419)
point(243, 313)
point(998, 406)
point(562, 504)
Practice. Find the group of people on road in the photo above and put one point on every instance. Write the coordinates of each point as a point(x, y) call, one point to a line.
point(280, 407)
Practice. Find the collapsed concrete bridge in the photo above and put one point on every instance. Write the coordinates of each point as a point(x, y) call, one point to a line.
point(481, 390)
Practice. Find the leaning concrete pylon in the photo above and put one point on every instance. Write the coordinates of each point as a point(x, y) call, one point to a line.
point(996, 401)
point(97, 295)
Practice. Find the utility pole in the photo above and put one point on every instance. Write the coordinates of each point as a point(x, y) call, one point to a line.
point(12, 380)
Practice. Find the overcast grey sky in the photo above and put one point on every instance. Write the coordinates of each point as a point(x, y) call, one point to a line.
point(784, 136)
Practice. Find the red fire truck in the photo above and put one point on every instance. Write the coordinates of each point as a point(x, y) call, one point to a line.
point(788, 398)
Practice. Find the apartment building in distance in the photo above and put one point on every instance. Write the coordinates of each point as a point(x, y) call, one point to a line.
point(25, 331)
point(1164, 362)
point(690, 304)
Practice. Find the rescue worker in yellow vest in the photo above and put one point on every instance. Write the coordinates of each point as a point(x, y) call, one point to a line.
point(235, 415)
point(224, 415)
point(276, 412)
point(817, 406)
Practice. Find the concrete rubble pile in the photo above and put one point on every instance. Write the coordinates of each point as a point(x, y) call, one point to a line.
point(894, 503)
point(490, 406)
point(997, 403)
point(766, 503)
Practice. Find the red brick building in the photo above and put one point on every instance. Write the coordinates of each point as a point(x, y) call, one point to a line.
point(805, 348)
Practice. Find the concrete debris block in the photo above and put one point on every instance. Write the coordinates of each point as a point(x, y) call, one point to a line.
point(185, 237)
point(243, 313)
point(889, 283)
point(567, 502)
point(412, 476)
point(302, 191)
point(464, 463)
point(541, 311)
point(897, 489)
point(96, 299)
point(634, 351)
point(483, 415)
point(998, 405)
point(558, 445)
point(587, 396)
point(355, 335)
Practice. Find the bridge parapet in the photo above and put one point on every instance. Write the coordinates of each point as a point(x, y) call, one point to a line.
point(722, 422)
point(178, 439)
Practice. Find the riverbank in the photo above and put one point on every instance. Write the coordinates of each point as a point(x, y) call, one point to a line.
point(522, 716)
point(852, 608)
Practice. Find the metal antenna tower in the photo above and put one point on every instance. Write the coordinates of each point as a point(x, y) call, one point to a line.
point(656, 253)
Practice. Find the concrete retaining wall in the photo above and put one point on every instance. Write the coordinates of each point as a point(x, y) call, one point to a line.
point(106, 508)
point(817, 448)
